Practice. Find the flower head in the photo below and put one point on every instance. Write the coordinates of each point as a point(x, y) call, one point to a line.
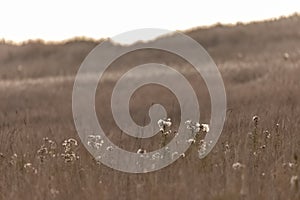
point(141, 151)
point(164, 123)
point(69, 154)
point(238, 165)
point(255, 118)
point(196, 127)
point(205, 128)
point(294, 181)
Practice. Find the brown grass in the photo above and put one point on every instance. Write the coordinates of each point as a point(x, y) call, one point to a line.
point(36, 103)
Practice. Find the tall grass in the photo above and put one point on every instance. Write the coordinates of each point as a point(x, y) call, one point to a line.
point(41, 156)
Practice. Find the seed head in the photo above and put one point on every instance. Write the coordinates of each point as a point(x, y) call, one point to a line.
point(191, 141)
point(255, 119)
point(238, 165)
point(109, 148)
point(196, 127)
point(141, 151)
point(164, 123)
point(27, 165)
point(286, 56)
point(204, 128)
point(294, 181)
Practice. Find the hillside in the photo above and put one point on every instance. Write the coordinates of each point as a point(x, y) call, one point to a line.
point(256, 156)
point(224, 43)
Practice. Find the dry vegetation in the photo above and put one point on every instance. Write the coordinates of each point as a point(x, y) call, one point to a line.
point(254, 158)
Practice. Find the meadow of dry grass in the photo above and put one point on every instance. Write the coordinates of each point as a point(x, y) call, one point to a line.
point(260, 65)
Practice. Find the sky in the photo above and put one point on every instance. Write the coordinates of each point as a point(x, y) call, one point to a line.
point(56, 20)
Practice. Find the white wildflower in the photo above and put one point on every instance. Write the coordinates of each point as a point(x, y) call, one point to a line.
point(237, 166)
point(29, 168)
point(290, 165)
point(202, 149)
point(188, 124)
point(95, 141)
point(205, 128)
point(267, 134)
point(141, 151)
point(27, 165)
point(54, 192)
point(263, 146)
point(109, 148)
point(71, 140)
point(196, 127)
point(294, 181)
point(286, 56)
point(255, 118)
point(163, 124)
point(168, 132)
point(227, 148)
point(191, 141)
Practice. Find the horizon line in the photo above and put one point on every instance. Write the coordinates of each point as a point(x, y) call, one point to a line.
point(95, 40)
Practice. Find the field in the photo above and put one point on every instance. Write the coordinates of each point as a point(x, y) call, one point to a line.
point(253, 159)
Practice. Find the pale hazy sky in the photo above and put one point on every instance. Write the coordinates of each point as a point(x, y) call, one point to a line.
point(62, 19)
